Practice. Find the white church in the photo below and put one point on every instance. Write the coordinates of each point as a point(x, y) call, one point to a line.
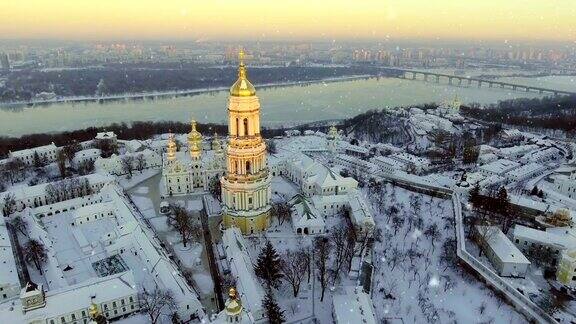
point(191, 169)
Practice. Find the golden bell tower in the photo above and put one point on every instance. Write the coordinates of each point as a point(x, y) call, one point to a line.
point(246, 185)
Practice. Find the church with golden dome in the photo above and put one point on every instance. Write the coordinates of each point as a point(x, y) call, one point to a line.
point(189, 169)
point(245, 186)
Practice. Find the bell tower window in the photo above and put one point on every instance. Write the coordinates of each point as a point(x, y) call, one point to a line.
point(245, 126)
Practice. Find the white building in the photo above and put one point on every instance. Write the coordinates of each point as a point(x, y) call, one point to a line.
point(526, 172)
point(35, 196)
point(528, 239)
point(516, 152)
point(145, 159)
point(87, 155)
point(499, 167)
point(89, 241)
point(48, 153)
point(353, 306)
point(404, 161)
point(186, 172)
point(115, 295)
point(306, 219)
point(543, 155)
point(566, 272)
point(9, 281)
point(356, 165)
point(504, 255)
point(240, 265)
point(107, 136)
point(566, 185)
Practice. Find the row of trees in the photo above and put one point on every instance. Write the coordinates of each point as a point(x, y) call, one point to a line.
point(119, 79)
point(548, 112)
point(67, 189)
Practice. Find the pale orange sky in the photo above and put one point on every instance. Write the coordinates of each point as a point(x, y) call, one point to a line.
point(293, 19)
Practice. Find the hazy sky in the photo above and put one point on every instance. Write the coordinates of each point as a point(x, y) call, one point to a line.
point(292, 19)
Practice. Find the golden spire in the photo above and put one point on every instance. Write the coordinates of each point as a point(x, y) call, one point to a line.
point(242, 87)
point(171, 148)
point(194, 141)
point(233, 304)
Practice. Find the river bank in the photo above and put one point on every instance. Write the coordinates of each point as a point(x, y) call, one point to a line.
point(175, 93)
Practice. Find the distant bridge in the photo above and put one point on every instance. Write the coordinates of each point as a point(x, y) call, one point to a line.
point(460, 80)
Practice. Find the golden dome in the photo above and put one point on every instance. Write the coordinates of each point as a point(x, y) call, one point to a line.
point(233, 304)
point(242, 87)
point(194, 135)
point(93, 311)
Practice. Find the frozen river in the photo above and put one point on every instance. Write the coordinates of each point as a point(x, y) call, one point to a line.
point(280, 105)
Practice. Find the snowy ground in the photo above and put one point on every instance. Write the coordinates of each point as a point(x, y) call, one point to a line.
point(412, 281)
point(192, 257)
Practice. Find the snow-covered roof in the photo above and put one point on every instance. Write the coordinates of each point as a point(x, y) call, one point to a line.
point(353, 306)
point(74, 298)
point(25, 192)
point(92, 152)
point(503, 248)
point(557, 240)
point(251, 292)
point(500, 166)
point(526, 170)
point(8, 270)
point(105, 135)
point(39, 149)
point(305, 214)
point(407, 157)
point(359, 210)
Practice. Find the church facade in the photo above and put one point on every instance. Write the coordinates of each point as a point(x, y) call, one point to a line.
point(191, 169)
point(245, 186)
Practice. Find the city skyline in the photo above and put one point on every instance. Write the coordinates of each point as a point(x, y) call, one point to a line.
point(267, 21)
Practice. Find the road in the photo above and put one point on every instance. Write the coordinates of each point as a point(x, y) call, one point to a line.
point(211, 259)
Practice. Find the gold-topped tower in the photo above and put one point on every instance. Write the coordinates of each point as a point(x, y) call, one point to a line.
point(246, 185)
point(242, 87)
point(194, 142)
point(172, 148)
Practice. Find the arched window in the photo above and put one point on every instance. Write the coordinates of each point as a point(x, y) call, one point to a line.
point(248, 167)
point(245, 126)
point(237, 126)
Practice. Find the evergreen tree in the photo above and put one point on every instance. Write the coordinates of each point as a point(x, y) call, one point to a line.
point(274, 313)
point(268, 266)
point(534, 191)
point(474, 195)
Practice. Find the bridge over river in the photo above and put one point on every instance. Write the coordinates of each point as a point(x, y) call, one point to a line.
point(463, 80)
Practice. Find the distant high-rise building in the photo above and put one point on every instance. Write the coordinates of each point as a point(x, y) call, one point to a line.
point(4, 61)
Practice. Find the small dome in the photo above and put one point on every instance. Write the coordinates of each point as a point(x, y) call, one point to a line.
point(242, 87)
point(233, 304)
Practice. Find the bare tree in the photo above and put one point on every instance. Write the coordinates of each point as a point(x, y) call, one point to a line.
point(282, 211)
point(433, 234)
point(127, 164)
point(14, 169)
point(140, 162)
point(156, 303)
point(71, 150)
point(322, 251)
point(35, 252)
point(85, 167)
point(20, 225)
point(293, 264)
point(181, 220)
point(340, 239)
point(215, 188)
point(61, 161)
point(483, 234)
point(9, 202)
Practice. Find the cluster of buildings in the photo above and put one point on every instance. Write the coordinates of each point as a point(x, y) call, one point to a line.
point(99, 251)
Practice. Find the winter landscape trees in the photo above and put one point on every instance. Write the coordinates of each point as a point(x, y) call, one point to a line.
point(35, 252)
point(157, 302)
